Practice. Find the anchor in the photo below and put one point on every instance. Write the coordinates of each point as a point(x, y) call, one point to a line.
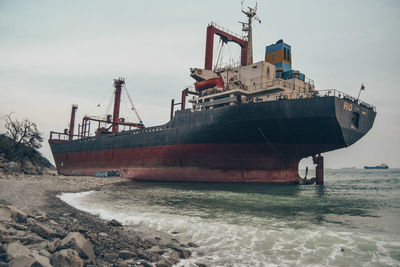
point(304, 180)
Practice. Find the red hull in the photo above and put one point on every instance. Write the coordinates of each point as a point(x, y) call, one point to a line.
point(185, 163)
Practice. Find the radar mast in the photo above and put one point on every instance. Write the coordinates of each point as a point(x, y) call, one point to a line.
point(247, 27)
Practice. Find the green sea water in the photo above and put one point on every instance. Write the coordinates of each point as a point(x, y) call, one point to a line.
point(352, 220)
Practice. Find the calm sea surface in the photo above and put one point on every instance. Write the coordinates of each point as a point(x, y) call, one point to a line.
point(353, 220)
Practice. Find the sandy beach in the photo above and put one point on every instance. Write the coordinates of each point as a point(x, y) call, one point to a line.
point(35, 196)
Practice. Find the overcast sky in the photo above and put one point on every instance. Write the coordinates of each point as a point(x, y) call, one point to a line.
point(56, 53)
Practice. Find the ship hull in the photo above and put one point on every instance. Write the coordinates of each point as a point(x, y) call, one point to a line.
point(258, 142)
point(188, 162)
point(376, 167)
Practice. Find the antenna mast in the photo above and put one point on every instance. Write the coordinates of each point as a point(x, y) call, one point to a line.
point(247, 27)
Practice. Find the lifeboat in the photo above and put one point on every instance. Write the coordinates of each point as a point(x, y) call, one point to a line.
point(210, 83)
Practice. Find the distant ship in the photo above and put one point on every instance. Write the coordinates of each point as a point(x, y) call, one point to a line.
point(382, 166)
point(251, 122)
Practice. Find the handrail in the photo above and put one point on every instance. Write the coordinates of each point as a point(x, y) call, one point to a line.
point(64, 135)
point(226, 30)
point(341, 95)
point(308, 80)
point(227, 66)
point(282, 83)
point(330, 93)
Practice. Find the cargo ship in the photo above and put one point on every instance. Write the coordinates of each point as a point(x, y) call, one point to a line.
point(383, 166)
point(250, 122)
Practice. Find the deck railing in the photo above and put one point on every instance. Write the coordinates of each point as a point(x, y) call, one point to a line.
point(282, 83)
point(215, 25)
point(58, 136)
point(62, 136)
point(341, 95)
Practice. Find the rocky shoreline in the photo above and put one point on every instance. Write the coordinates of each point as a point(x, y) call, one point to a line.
point(38, 229)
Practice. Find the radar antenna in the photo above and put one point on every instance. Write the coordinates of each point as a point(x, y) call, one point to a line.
point(247, 27)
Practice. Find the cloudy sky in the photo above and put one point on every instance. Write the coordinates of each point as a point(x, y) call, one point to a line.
point(56, 53)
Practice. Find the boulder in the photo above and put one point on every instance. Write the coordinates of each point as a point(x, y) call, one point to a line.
point(19, 226)
point(121, 263)
point(17, 215)
point(40, 260)
point(42, 245)
point(114, 223)
point(184, 254)
point(164, 263)
point(19, 233)
point(41, 217)
point(60, 232)
point(3, 230)
point(192, 245)
point(18, 255)
point(16, 249)
point(126, 254)
point(76, 241)
point(29, 238)
point(103, 234)
point(31, 221)
point(92, 236)
point(45, 253)
point(143, 263)
point(156, 249)
point(29, 168)
point(54, 223)
point(5, 214)
point(66, 257)
point(44, 231)
point(173, 257)
point(12, 231)
point(110, 256)
point(53, 245)
point(5, 239)
point(21, 261)
point(11, 167)
point(131, 262)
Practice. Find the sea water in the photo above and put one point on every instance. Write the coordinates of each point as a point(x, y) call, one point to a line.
point(352, 220)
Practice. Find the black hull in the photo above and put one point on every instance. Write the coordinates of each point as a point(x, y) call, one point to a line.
point(269, 137)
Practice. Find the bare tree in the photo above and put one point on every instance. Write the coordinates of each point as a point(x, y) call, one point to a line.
point(22, 133)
